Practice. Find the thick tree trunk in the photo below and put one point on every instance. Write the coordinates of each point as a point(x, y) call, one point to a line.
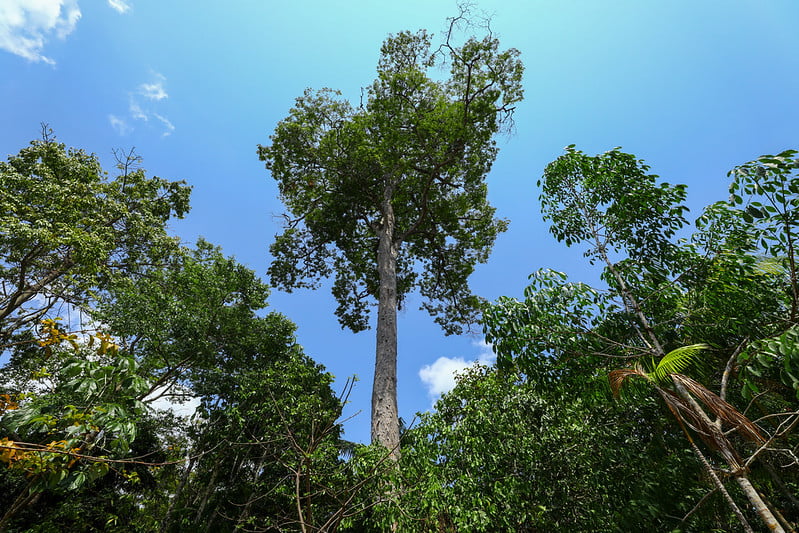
point(385, 415)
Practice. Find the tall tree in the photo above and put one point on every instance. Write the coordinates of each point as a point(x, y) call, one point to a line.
point(390, 195)
point(267, 416)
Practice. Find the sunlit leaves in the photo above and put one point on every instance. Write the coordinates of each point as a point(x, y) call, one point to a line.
point(772, 359)
point(611, 203)
point(62, 445)
point(555, 318)
point(66, 229)
point(417, 148)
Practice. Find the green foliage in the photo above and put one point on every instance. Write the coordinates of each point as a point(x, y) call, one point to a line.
point(71, 423)
point(506, 452)
point(66, 229)
point(267, 412)
point(768, 190)
point(86, 415)
point(771, 361)
point(610, 201)
point(270, 423)
point(667, 303)
point(182, 319)
point(677, 361)
point(553, 318)
point(770, 201)
point(408, 164)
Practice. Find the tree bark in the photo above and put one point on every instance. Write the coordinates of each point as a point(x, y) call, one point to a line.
point(757, 502)
point(385, 415)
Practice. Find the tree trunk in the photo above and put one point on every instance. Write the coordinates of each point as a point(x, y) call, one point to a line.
point(165, 523)
point(24, 499)
point(719, 485)
point(754, 498)
point(385, 415)
point(727, 451)
point(781, 484)
point(245, 512)
point(726, 448)
point(206, 494)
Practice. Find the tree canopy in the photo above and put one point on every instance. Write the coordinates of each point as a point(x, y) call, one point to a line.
point(66, 230)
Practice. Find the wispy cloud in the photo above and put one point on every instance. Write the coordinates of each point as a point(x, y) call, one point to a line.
point(439, 377)
point(167, 124)
point(119, 5)
point(154, 90)
point(119, 124)
point(27, 25)
point(136, 111)
point(143, 103)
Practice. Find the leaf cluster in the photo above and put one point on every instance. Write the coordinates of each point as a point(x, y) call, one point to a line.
point(409, 164)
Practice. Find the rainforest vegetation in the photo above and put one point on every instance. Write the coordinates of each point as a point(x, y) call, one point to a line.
point(662, 398)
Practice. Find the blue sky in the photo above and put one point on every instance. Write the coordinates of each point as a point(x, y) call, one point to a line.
point(692, 87)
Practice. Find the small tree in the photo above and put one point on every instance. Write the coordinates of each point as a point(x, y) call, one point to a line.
point(390, 195)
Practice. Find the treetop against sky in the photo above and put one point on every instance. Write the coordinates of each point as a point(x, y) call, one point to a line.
point(693, 89)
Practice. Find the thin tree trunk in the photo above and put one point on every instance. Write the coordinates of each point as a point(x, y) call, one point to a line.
point(720, 486)
point(757, 502)
point(245, 513)
point(24, 499)
point(725, 446)
point(727, 451)
point(184, 478)
point(792, 262)
point(780, 483)
point(206, 495)
point(712, 473)
point(385, 415)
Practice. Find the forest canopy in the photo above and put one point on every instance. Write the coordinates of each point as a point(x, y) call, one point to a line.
point(665, 397)
point(147, 385)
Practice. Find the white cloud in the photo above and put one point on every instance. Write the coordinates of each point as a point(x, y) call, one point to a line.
point(154, 90)
point(27, 25)
point(141, 110)
point(167, 124)
point(119, 5)
point(119, 124)
point(168, 402)
point(439, 377)
point(136, 111)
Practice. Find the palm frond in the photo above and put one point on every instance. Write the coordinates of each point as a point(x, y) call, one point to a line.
point(723, 410)
point(619, 376)
point(710, 435)
point(676, 361)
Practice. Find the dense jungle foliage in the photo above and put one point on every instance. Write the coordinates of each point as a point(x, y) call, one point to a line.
point(146, 387)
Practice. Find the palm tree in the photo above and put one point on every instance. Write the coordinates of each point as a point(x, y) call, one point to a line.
point(687, 399)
